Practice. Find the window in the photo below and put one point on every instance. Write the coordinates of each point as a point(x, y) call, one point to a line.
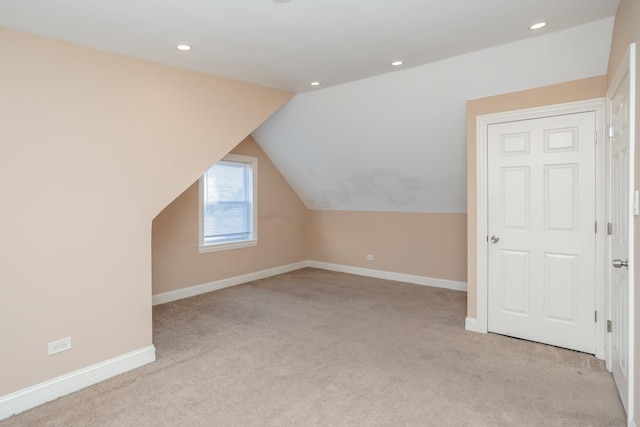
point(228, 208)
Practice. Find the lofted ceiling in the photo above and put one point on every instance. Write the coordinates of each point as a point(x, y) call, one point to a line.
point(288, 45)
point(397, 141)
point(371, 136)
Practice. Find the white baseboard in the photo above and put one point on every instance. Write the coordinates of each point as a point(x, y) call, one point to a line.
point(389, 275)
point(224, 283)
point(471, 324)
point(245, 278)
point(38, 394)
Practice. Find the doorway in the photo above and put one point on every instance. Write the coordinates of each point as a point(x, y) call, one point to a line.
point(560, 303)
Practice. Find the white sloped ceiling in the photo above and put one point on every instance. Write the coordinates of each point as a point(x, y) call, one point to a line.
point(289, 44)
point(397, 141)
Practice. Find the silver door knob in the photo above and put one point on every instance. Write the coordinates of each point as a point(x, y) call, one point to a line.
point(495, 239)
point(618, 263)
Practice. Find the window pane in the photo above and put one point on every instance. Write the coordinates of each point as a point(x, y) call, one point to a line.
point(227, 203)
point(226, 181)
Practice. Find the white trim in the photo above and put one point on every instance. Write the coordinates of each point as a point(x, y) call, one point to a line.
point(481, 227)
point(227, 246)
point(224, 283)
point(482, 123)
point(601, 236)
point(250, 277)
point(38, 394)
point(633, 104)
point(389, 275)
point(471, 324)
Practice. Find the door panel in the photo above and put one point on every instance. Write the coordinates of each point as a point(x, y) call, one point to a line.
point(561, 288)
point(514, 187)
point(541, 205)
point(516, 273)
point(561, 199)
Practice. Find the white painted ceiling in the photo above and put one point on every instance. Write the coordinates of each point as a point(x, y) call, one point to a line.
point(371, 137)
point(287, 45)
point(397, 141)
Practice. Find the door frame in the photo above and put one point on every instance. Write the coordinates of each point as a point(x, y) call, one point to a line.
point(482, 122)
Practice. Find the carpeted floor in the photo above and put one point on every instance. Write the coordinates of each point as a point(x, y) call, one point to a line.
point(318, 348)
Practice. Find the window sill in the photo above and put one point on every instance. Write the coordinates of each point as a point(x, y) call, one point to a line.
point(203, 249)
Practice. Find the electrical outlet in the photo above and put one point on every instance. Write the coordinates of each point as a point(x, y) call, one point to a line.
point(60, 345)
point(370, 257)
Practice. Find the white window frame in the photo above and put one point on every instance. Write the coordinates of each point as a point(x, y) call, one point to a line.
point(253, 239)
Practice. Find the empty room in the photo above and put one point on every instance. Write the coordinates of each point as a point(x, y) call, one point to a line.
point(283, 213)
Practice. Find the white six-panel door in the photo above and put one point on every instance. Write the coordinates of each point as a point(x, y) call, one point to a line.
point(541, 219)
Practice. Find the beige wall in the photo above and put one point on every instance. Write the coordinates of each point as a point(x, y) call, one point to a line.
point(92, 146)
point(424, 244)
point(282, 220)
point(625, 31)
point(577, 90)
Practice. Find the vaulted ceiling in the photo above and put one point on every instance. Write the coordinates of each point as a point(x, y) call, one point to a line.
point(397, 141)
point(371, 136)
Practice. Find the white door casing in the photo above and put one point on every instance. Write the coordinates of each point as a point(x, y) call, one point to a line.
point(541, 201)
point(620, 202)
point(596, 107)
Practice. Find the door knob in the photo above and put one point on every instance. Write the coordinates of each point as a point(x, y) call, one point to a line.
point(618, 263)
point(495, 239)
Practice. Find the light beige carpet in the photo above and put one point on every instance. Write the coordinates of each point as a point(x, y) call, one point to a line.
point(317, 348)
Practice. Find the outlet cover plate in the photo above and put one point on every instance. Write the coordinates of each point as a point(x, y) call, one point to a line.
point(59, 345)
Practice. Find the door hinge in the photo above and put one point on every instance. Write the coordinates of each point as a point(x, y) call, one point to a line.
point(595, 315)
point(596, 226)
point(595, 137)
point(610, 131)
point(608, 325)
point(609, 228)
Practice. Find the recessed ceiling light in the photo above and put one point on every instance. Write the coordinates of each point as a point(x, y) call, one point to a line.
point(315, 83)
point(183, 47)
point(280, 1)
point(396, 63)
point(537, 26)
